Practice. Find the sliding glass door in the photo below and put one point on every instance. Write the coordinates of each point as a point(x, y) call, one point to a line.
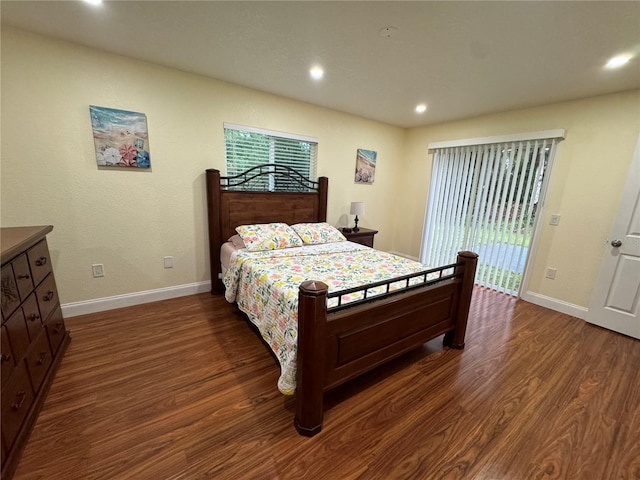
point(484, 198)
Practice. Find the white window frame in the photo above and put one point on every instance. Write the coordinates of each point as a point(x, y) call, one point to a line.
point(274, 134)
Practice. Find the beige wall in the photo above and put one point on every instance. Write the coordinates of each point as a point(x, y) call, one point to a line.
point(590, 170)
point(129, 220)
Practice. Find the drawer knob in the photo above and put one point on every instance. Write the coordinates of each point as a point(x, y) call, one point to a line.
point(42, 359)
point(41, 261)
point(33, 317)
point(58, 329)
point(20, 400)
point(49, 296)
point(5, 357)
point(24, 277)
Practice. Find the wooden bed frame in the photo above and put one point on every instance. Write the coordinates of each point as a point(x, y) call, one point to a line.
point(337, 344)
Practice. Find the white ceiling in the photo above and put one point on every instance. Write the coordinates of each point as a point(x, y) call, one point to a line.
point(461, 58)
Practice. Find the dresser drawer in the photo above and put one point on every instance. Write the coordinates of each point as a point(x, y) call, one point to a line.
point(4, 451)
point(364, 240)
point(56, 330)
point(32, 316)
point(364, 236)
point(38, 360)
point(39, 261)
point(17, 398)
point(18, 334)
point(47, 296)
point(23, 275)
point(10, 295)
point(7, 359)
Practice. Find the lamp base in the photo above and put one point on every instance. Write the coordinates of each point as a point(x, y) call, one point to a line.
point(355, 229)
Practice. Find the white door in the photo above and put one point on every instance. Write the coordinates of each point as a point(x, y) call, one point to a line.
point(616, 297)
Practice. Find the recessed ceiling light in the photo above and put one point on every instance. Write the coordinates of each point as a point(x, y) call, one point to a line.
point(316, 72)
point(617, 61)
point(421, 108)
point(388, 32)
point(93, 2)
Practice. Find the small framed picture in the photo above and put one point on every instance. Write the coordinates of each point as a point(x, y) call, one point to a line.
point(365, 166)
point(120, 137)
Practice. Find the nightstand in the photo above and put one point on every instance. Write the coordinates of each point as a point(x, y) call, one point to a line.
point(363, 236)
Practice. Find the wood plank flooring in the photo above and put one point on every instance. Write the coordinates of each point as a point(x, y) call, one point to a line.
point(184, 389)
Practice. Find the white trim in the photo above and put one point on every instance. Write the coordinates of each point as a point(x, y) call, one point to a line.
point(129, 299)
point(555, 304)
point(518, 137)
point(273, 133)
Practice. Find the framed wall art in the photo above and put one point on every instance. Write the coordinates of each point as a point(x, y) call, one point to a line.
point(120, 137)
point(365, 166)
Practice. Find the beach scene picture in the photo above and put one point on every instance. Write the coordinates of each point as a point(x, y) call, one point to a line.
point(120, 137)
point(365, 166)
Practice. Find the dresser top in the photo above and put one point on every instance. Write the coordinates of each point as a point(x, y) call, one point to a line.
point(15, 240)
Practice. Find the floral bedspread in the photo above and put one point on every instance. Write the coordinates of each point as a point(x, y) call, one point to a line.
point(265, 286)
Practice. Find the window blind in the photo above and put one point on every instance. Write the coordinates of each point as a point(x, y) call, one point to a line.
point(484, 198)
point(248, 147)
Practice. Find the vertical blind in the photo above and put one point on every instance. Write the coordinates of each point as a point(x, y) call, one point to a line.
point(484, 198)
point(247, 147)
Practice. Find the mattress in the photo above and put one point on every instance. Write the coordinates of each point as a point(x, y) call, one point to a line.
point(265, 287)
point(225, 255)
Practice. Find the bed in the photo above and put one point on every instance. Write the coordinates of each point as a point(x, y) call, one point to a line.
point(339, 333)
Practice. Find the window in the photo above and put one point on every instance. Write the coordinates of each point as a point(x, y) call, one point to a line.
point(247, 147)
point(484, 196)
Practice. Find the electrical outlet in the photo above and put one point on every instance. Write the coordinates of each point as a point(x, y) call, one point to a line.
point(551, 273)
point(168, 262)
point(98, 270)
point(555, 219)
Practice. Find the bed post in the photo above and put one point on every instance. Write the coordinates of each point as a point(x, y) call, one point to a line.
point(323, 190)
point(312, 319)
point(455, 338)
point(215, 233)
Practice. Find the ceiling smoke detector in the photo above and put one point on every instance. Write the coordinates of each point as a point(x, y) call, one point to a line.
point(388, 32)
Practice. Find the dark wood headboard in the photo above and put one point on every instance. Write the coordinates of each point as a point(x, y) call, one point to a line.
point(249, 198)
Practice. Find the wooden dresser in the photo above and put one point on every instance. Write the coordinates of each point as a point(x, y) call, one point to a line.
point(34, 336)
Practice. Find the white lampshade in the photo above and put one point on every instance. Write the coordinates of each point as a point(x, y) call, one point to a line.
point(357, 208)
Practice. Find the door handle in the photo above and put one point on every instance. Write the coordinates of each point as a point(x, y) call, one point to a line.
point(616, 243)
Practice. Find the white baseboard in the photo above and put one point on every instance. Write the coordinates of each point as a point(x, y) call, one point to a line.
point(555, 304)
point(128, 299)
point(138, 298)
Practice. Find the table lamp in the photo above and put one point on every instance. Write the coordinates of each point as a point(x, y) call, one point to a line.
point(357, 208)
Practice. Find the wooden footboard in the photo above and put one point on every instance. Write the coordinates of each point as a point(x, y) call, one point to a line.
point(336, 347)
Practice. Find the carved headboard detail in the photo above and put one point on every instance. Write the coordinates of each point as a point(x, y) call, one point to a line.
point(262, 194)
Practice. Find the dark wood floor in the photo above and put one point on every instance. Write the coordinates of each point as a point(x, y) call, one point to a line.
point(184, 389)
